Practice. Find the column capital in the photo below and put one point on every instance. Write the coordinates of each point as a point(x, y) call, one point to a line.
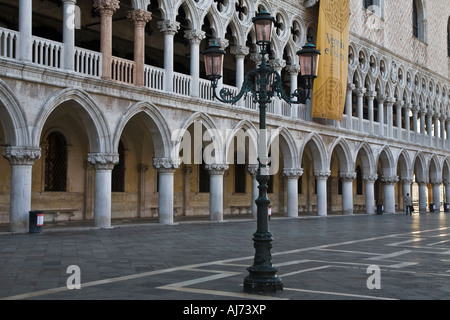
point(381, 98)
point(103, 161)
point(292, 173)
point(139, 16)
point(187, 170)
point(240, 50)
point(322, 175)
point(421, 181)
point(253, 169)
point(21, 155)
point(351, 86)
point(106, 6)
point(360, 91)
point(277, 64)
point(293, 69)
point(435, 181)
point(370, 177)
point(347, 176)
point(406, 180)
point(169, 27)
point(389, 179)
point(166, 165)
point(216, 168)
point(195, 36)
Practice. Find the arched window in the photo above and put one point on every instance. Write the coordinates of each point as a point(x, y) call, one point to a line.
point(415, 21)
point(118, 172)
point(448, 38)
point(55, 162)
point(418, 20)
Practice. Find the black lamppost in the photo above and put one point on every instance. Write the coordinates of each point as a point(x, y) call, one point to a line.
point(263, 83)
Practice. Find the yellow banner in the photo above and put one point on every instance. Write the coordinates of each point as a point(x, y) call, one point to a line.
point(330, 86)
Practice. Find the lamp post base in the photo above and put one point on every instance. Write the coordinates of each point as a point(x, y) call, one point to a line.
point(262, 281)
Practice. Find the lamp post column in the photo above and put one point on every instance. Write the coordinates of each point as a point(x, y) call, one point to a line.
point(262, 276)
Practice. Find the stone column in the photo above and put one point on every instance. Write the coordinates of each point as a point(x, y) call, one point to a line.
point(370, 98)
point(442, 123)
point(69, 33)
point(399, 106)
point(360, 102)
point(415, 110)
point(195, 37)
point(216, 172)
point(389, 193)
point(429, 123)
point(447, 191)
point(370, 192)
point(423, 194)
point(380, 99)
point(348, 104)
point(168, 28)
point(407, 110)
point(292, 190)
point(321, 178)
point(106, 9)
point(293, 70)
point(436, 183)
point(406, 182)
point(347, 191)
point(103, 164)
point(422, 121)
point(166, 169)
point(389, 116)
point(142, 170)
point(139, 19)
point(21, 160)
point(278, 65)
point(25, 29)
point(253, 170)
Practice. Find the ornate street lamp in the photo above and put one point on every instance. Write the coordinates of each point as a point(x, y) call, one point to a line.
point(263, 83)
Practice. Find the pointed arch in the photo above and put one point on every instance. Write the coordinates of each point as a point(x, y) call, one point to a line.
point(157, 126)
point(242, 129)
point(88, 112)
point(318, 150)
point(286, 145)
point(342, 149)
point(387, 160)
point(211, 127)
point(364, 151)
point(12, 118)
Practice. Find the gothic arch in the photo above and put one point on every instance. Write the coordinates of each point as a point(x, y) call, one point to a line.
point(287, 146)
point(157, 126)
point(387, 160)
point(12, 118)
point(86, 109)
point(251, 132)
point(210, 125)
point(318, 151)
point(365, 153)
point(344, 154)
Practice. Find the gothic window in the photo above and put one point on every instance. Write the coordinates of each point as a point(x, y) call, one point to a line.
point(118, 172)
point(418, 20)
point(415, 21)
point(448, 38)
point(56, 162)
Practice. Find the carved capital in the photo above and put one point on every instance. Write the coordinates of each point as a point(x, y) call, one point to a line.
point(169, 27)
point(370, 177)
point(103, 161)
point(22, 155)
point(166, 165)
point(347, 176)
point(240, 50)
point(253, 169)
point(216, 168)
point(389, 179)
point(106, 6)
point(292, 173)
point(322, 175)
point(195, 36)
point(139, 16)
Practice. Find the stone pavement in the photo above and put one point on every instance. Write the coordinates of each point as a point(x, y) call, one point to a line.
point(359, 257)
